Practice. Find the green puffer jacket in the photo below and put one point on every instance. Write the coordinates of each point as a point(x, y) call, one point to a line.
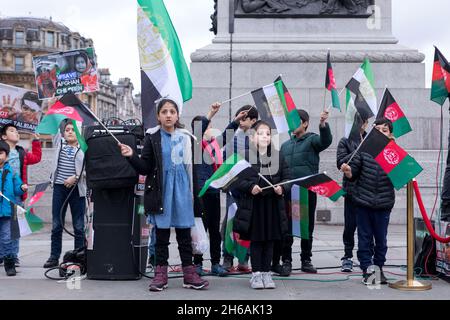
point(302, 154)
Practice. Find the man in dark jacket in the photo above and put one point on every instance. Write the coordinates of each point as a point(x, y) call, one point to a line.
point(345, 150)
point(301, 153)
point(374, 198)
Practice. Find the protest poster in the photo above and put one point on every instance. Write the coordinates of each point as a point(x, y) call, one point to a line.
point(58, 73)
point(21, 107)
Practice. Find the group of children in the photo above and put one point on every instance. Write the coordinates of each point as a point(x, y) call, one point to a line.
point(176, 173)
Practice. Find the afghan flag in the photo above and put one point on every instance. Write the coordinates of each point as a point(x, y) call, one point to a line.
point(24, 223)
point(440, 88)
point(164, 72)
point(323, 185)
point(353, 120)
point(300, 212)
point(362, 88)
point(330, 84)
point(233, 244)
point(39, 191)
point(68, 107)
point(276, 106)
point(233, 168)
point(390, 109)
point(399, 166)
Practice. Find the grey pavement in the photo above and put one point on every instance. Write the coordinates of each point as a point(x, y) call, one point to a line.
point(30, 282)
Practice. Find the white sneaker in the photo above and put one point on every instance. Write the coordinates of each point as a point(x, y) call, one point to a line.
point(256, 282)
point(267, 280)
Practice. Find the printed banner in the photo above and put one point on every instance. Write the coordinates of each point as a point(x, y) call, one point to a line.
point(71, 71)
point(21, 107)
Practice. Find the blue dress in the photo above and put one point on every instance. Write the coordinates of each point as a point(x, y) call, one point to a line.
point(177, 195)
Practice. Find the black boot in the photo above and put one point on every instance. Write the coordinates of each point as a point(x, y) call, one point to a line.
point(10, 267)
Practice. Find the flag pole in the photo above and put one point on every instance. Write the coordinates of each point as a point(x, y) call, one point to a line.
point(410, 284)
point(101, 123)
point(1, 194)
point(262, 177)
point(287, 182)
point(235, 98)
point(359, 147)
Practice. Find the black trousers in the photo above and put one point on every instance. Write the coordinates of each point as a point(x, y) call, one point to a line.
point(349, 228)
point(211, 221)
point(261, 255)
point(184, 246)
point(283, 249)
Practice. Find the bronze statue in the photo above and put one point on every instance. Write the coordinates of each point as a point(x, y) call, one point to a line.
point(268, 6)
point(330, 6)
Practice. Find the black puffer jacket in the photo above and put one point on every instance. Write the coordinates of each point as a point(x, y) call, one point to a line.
point(373, 188)
point(243, 187)
point(345, 150)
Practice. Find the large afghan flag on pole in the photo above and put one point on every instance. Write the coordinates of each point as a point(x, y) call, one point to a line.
point(300, 212)
point(276, 106)
point(390, 109)
point(164, 72)
point(330, 84)
point(399, 166)
point(362, 88)
point(440, 87)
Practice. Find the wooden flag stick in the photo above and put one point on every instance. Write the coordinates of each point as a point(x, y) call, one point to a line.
point(262, 177)
point(101, 123)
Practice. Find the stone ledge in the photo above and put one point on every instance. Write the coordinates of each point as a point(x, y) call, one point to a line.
point(306, 56)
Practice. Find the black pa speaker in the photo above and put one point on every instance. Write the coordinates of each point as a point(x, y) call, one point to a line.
point(120, 236)
point(105, 166)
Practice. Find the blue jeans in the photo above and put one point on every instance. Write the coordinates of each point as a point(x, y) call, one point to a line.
point(151, 241)
point(5, 237)
point(77, 208)
point(372, 225)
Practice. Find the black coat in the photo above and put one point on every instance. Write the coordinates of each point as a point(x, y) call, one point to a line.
point(268, 204)
point(373, 188)
point(150, 164)
point(345, 150)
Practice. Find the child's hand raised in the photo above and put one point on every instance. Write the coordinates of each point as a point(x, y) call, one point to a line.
point(256, 189)
point(24, 187)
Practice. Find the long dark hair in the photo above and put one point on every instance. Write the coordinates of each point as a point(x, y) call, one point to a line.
point(256, 126)
point(162, 102)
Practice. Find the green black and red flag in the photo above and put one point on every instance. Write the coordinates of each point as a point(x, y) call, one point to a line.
point(399, 166)
point(330, 84)
point(440, 87)
point(390, 109)
point(323, 185)
point(39, 191)
point(68, 107)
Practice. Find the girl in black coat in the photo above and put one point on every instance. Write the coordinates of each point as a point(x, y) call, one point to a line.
point(261, 214)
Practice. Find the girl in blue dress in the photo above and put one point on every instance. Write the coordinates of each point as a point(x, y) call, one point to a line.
point(167, 163)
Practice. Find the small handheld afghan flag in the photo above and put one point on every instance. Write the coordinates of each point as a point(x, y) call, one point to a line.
point(323, 186)
point(24, 223)
point(68, 107)
point(353, 120)
point(233, 244)
point(232, 169)
point(330, 84)
point(390, 109)
point(362, 88)
point(300, 212)
point(276, 106)
point(39, 191)
point(440, 87)
point(399, 166)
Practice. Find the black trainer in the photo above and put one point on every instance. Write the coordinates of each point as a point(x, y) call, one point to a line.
point(51, 263)
point(308, 267)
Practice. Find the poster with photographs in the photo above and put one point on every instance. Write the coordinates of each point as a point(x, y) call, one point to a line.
point(75, 71)
point(20, 107)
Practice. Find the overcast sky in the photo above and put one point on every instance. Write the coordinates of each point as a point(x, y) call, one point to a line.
point(112, 26)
